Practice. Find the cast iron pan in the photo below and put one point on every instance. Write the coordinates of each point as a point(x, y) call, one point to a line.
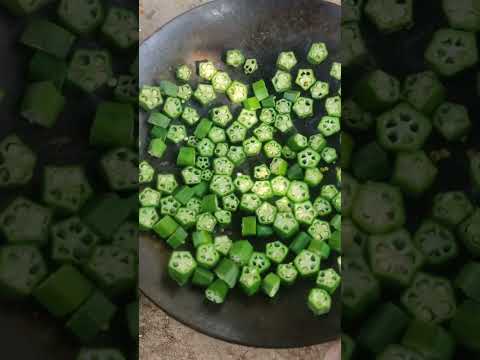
point(261, 28)
point(26, 330)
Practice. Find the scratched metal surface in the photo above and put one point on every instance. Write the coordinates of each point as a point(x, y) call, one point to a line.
point(262, 29)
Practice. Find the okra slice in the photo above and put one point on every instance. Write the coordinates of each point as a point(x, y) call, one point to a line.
point(181, 266)
point(147, 217)
point(263, 189)
point(319, 301)
point(383, 327)
point(329, 125)
point(237, 92)
point(319, 90)
point(127, 90)
point(286, 225)
point(469, 231)
point(22, 267)
point(354, 50)
point(207, 256)
point(287, 273)
point(436, 242)
point(18, 162)
point(240, 252)
point(206, 70)
point(221, 81)
point(217, 291)
point(247, 118)
point(319, 230)
point(64, 291)
point(113, 269)
point(230, 202)
point(202, 277)
point(390, 15)
point(355, 117)
point(46, 67)
point(328, 280)
point(318, 53)
point(298, 191)
point(303, 107)
point(430, 299)
point(429, 340)
point(393, 257)
point(101, 131)
point(205, 94)
point(360, 289)
point(91, 69)
point(222, 185)
point(451, 51)
point(467, 280)
point(377, 91)
point(250, 280)
point(282, 81)
point(48, 37)
point(72, 241)
point(228, 271)
point(266, 213)
point(42, 104)
point(272, 149)
point(313, 177)
point(250, 66)
point(413, 172)
point(206, 222)
point(308, 158)
point(235, 58)
point(424, 91)
point(120, 168)
point(268, 115)
point(223, 244)
point(276, 251)
point(81, 17)
point(463, 15)
point(403, 129)
point(22, 211)
point(305, 78)
point(452, 121)
point(304, 212)
point(185, 92)
point(260, 261)
point(378, 208)
point(451, 207)
point(271, 285)
point(252, 146)
point(286, 60)
point(100, 354)
point(93, 316)
point(120, 27)
point(149, 197)
point(223, 166)
point(126, 236)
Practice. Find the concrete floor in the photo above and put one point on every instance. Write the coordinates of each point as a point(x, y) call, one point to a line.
point(163, 338)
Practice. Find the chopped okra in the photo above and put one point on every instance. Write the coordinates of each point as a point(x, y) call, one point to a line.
point(248, 168)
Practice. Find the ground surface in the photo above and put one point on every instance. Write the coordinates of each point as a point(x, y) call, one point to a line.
point(163, 338)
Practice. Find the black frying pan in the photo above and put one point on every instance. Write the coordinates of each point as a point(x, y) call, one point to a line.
point(261, 28)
